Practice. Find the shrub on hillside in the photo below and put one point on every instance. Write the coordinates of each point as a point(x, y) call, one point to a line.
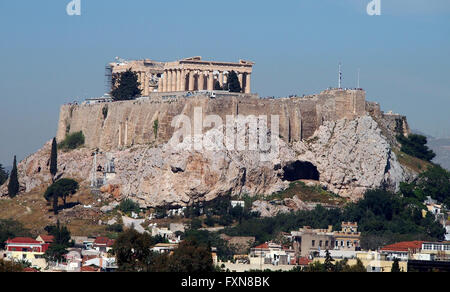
point(127, 206)
point(72, 141)
point(416, 145)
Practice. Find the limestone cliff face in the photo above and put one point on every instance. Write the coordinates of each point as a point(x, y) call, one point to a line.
point(350, 156)
point(114, 126)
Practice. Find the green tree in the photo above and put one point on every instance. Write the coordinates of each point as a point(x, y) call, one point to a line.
point(54, 159)
point(13, 186)
point(61, 241)
point(3, 175)
point(416, 145)
point(328, 264)
point(233, 83)
point(10, 266)
point(225, 251)
point(128, 86)
point(191, 257)
point(127, 206)
point(358, 268)
point(132, 251)
point(209, 221)
point(196, 224)
point(9, 229)
point(395, 266)
point(435, 182)
point(60, 189)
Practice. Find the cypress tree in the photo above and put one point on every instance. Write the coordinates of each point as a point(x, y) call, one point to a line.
point(395, 266)
point(233, 82)
point(13, 186)
point(54, 159)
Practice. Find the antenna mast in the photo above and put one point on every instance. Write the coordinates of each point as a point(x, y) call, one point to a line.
point(340, 76)
point(359, 71)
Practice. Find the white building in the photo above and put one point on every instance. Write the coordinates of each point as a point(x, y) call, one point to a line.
point(237, 203)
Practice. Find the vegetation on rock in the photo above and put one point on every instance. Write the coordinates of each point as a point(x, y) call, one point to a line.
point(72, 141)
point(416, 145)
point(3, 175)
point(60, 189)
point(54, 158)
point(128, 206)
point(434, 182)
point(13, 186)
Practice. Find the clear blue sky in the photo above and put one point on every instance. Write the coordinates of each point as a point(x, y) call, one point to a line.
point(48, 58)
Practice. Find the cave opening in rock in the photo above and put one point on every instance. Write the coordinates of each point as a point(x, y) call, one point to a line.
point(300, 170)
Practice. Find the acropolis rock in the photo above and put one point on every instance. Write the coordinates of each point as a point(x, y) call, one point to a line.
point(335, 137)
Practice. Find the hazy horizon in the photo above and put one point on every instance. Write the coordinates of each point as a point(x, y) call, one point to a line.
point(50, 58)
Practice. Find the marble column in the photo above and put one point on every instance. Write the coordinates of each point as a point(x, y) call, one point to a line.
point(210, 81)
point(183, 80)
point(225, 78)
point(166, 81)
point(241, 78)
point(169, 80)
point(161, 84)
point(248, 88)
point(174, 81)
point(145, 91)
point(221, 79)
point(201, 80)
point(178, 80)
point(191, 80)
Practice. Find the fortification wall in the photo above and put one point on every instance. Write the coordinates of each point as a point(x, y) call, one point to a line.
point(110, 126)
point(391, 124)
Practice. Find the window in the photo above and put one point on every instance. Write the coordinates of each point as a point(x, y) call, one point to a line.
point(326, 243)
point(428, 246)
point(320, 243)
point(342, 243)
point(313, 243)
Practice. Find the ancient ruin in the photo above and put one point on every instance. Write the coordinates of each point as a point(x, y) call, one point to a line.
point(190, 74)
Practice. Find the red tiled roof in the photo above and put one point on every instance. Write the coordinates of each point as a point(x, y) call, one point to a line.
point(89, 269)
point(261, 246)
point(304, 261)
point(47, 238)
point(22, 240)
point(403, 246)
point(104, 241)
point(30, 270)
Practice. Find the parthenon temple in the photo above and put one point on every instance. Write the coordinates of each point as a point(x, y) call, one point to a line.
point(191, 74)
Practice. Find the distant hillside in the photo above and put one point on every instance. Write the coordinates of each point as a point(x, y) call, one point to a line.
point(442, 149)
point(440, 146)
